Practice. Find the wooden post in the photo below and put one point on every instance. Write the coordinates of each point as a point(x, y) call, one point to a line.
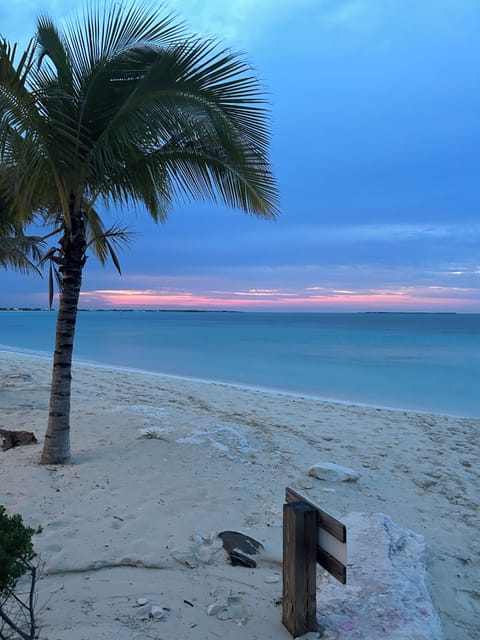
point(299, 568)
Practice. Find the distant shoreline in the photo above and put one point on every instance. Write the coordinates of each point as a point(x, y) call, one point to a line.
point(132, 310)
point(129, 310)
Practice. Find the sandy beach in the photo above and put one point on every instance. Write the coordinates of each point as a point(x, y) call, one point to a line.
point(120, 519)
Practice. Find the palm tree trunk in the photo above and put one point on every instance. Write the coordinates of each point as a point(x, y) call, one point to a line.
point(56, 448)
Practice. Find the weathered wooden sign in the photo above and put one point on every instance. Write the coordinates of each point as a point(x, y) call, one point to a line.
point(332, 539)
point(310, 535)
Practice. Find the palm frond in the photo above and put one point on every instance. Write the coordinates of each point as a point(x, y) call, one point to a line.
point(54, 277)
point(52, 48)
point(100, 33)
point(22, 253)
point(12, 74)
point(104, 242)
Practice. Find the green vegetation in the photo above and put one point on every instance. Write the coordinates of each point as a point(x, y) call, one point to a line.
point(16, 560)
point(16, 549)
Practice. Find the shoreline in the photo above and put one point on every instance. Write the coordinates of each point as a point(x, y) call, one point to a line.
point(4, 349)
point(222, 460)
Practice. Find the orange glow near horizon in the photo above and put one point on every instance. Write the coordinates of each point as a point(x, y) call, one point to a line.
point(273, 300)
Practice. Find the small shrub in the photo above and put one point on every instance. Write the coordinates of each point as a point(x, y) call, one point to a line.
point(16, 560)
point(16, 549)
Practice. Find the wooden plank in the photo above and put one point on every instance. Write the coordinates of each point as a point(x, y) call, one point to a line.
point(325, 520)
point(299, 568)
point(331, 539)
point(332, 565)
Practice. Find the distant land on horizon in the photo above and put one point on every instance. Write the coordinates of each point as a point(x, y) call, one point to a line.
point(139, 310)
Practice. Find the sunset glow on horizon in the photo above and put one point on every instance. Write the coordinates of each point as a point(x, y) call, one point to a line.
point(254, 300)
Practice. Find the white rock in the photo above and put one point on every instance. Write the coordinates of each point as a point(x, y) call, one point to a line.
point(233, 608)
point(385, 597)
point(331, 472)
point(142, 601)
point(201, 550)
point(157, 612)
point(205, 549)
point(214, 608)
point(144, 611)
point(272, 579)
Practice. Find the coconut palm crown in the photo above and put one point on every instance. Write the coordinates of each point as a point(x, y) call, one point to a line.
point(121, 108)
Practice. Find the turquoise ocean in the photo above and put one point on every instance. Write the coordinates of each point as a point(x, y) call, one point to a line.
point(423, 362)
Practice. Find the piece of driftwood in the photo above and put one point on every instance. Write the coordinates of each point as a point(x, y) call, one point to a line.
point(12, 439)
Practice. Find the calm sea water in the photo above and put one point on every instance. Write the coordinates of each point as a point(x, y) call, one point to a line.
point(426, 362)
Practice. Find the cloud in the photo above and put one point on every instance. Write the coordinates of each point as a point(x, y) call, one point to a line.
point(396, 232)
point(260, 293)
point(344, 13)
point(232, 21)
point(245, 21)
point(126, 293)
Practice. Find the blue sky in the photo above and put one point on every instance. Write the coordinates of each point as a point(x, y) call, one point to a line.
point(376, 147)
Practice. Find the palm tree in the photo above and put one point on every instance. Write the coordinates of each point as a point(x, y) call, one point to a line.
point(123, 108)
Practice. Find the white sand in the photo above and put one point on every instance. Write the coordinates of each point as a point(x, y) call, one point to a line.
point(222, 461)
